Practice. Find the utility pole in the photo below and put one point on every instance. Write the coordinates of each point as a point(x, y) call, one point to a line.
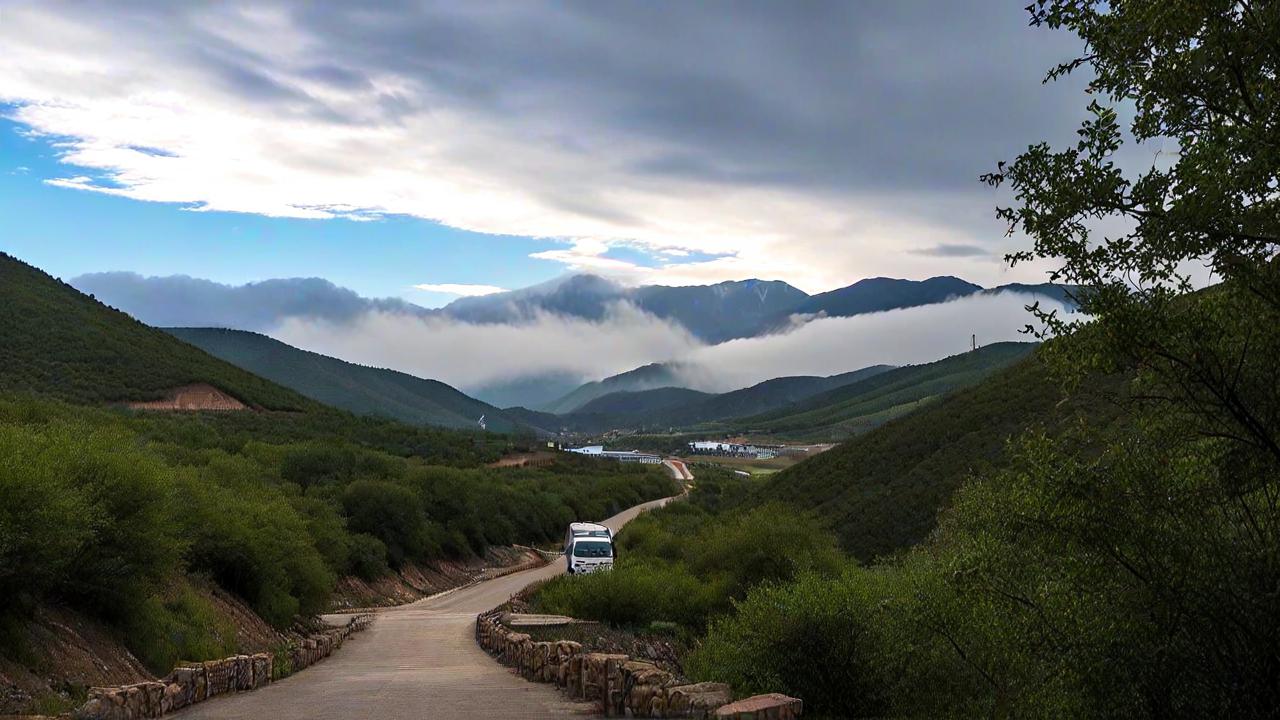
point(973, 342)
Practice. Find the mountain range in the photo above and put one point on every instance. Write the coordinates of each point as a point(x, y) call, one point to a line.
point(801, 408)
point(711, 313)
point(656, 396)
point(724, 311)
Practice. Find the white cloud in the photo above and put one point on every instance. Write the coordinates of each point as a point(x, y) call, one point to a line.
point(459, 289)
point(827, 346)
point(285, 112)
point(468, 355)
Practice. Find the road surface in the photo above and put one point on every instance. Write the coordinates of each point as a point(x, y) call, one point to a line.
point(417, 661)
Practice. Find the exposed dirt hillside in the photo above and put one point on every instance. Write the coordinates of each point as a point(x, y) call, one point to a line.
point(199, 396)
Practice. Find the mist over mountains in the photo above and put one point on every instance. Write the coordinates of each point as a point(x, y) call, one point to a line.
point(533, 347)
point(712, 313)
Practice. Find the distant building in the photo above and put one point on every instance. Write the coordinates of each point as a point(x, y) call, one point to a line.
point(711, 447)
point(619, 455)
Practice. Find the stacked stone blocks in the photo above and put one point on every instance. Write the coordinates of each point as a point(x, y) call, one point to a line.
point(622, 687)
point(196, 682)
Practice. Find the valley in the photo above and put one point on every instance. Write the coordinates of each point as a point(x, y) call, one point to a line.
point(732, 360)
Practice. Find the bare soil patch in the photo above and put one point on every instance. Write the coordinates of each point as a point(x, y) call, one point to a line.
point(533, 459)
point(199, 396)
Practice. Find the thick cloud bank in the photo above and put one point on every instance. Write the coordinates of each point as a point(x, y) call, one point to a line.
point(182, 301)
point(473, 352)
point(465, 354)
point(827, 346)
point(468, 355)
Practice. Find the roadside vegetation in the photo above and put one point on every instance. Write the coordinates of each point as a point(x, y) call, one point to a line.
point(1110, 525)
point(687, 562)
point(109, 511)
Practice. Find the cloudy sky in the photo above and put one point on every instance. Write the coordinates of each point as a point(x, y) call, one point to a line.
point(424, 150)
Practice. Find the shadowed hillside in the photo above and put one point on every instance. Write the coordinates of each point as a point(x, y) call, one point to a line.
point(882, 491)
point(358, 388)
point(858, 407)
point(59, 342)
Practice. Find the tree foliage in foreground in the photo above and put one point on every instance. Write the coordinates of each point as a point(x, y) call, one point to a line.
point(1116, 569)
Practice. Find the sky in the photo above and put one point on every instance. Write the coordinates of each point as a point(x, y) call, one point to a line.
point(426, 151)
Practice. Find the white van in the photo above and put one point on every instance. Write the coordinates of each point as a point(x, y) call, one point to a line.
point(588, 547)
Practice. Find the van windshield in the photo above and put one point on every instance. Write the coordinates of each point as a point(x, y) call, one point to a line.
point(592, 548)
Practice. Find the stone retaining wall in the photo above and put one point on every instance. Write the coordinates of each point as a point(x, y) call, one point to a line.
point(621, 686)
point(196, 682)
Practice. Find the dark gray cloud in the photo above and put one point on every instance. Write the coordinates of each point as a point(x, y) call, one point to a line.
point(813, 141)
point(952, 250)
point(833, 95)
point(182, 301)
point(825, 94)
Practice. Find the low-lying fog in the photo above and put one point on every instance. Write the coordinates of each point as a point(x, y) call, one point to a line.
point(466, 355)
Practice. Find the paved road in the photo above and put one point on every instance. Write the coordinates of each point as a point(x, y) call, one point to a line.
point(417, 661)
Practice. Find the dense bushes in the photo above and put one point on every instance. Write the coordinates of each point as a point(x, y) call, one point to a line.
point(177, 624)
point(108, 511)
point(684, 564)
point(252, 542)
point(1138, 581)
point(817, 638)
point(84, 517)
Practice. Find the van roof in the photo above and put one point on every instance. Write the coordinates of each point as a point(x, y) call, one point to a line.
point(587, 527)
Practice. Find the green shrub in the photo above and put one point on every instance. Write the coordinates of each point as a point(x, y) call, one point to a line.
point(684, 565)
point(634, 594)
point(179, 625)
point(814, 639)
point(84, 516)
point(768, 543)
point(367, 556)
point(253, 543)
point(393, 514)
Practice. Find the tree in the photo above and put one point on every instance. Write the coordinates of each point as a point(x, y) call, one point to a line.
point(1148, 557)
point(1202, 76)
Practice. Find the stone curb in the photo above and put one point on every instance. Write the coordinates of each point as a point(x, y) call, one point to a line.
point(622, 687)
point(196, 682)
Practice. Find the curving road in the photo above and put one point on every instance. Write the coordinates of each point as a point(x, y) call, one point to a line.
point(417, 661)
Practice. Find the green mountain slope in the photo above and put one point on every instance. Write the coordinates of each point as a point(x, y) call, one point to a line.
point(59, 342)
point(659, 407)
point(358, 388)
point(646, 377)
point(882, 491)
point(860, 406)
point(643, 402)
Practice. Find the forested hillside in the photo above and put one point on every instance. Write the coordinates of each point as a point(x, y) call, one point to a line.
point(357, 388)
point(861, 406)
point(647, 377)
point(642, 403)
point(60, 342)
point(882, 491)
point(879, 294)
point(664, 408)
